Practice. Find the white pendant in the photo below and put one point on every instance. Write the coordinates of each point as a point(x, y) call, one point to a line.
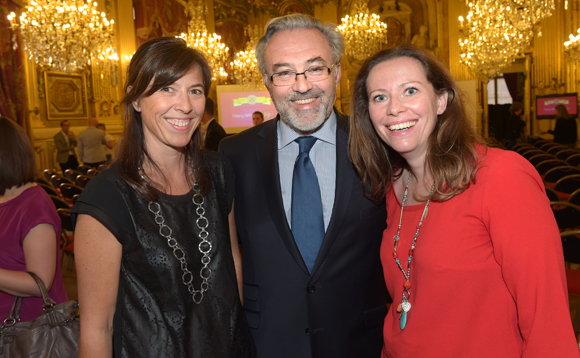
point(406, 306)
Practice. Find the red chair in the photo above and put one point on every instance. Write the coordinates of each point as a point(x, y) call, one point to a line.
point(59, 203)
point(571, 246)
point(568, 185)
point(69, 190)
point(92, 172)
point(67, 237)
point(48, 175)
point(557, 173)
point(548, 164)
point(538, 158)
point(82, 181)
point(71, 174)
point(83, 169)
point(567, 215)
point(574, 160)
point(575, 198)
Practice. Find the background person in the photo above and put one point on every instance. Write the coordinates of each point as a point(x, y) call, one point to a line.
point(110, 142)
point(214, 132)
point(472, 255)
point(313, 283)
point(257, 118)
point(65, 146)
point(516, 125)
point(30, 228)
point(566, 131)
point(155, 244)
point(90, 145)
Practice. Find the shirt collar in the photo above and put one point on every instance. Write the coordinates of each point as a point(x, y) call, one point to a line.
point(326, 133)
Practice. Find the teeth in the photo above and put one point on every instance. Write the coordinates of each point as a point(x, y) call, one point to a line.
point(402, 126)
point(179, 123)
point(304, 101)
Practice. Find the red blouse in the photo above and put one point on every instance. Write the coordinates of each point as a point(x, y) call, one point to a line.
point(487, 274)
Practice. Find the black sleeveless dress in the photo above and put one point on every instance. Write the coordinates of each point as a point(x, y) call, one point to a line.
point(156, 315)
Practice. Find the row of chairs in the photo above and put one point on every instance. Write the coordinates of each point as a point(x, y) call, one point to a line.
point(64, 190)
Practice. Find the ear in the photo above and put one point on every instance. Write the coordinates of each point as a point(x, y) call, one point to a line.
point(442, 102)
point(266, 80)
point(135, 103)
point(338, 72)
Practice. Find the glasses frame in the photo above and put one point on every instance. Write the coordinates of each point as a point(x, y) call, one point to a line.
point(296, 74)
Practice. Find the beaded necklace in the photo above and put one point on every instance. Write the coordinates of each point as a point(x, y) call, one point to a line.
point(405, 305)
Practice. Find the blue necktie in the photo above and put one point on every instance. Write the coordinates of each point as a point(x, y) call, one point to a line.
point(307, 217)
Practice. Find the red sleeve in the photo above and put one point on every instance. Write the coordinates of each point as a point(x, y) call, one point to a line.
point(528, 248)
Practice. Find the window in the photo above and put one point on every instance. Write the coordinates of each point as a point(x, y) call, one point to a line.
point(497, 92)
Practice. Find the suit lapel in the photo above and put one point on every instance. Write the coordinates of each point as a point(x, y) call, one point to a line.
point(267, 155)
point(345, 176)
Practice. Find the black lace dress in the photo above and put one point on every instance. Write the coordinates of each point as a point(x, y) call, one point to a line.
point(155, 314)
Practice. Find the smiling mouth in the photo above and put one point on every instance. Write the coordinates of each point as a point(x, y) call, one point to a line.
point(304, 101)
point(401, 126)
point(178, 123)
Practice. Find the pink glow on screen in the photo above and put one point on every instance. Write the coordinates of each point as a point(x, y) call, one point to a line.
point(546, 106)
point(236, 108)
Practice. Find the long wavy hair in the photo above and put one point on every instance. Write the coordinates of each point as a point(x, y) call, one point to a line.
point(451, 157)
point(165, 60)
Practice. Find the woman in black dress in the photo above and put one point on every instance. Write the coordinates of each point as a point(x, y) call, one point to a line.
point(565, 132)
point(157, 256)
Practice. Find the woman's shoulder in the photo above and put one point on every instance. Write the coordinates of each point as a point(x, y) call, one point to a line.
point(504, 163)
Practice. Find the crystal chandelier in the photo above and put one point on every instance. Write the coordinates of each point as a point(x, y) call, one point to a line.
point(245, 64)
point(209, 45)
point(496, 32)
point(572, 48)
point(364, 33)
point(65, 35)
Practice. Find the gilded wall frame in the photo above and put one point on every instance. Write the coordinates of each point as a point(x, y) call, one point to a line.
point(66, 96)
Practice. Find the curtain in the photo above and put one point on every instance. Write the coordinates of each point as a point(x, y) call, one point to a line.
point(511, 81)
point(12, 75)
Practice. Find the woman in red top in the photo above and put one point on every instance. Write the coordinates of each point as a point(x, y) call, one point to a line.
point(472, 255)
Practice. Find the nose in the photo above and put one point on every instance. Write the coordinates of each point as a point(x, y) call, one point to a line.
point(183, 103)
point(395, 106)
point(301, 84)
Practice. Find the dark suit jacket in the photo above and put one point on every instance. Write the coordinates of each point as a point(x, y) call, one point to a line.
point(62, 148)
point(215, 133)
point(338, 310)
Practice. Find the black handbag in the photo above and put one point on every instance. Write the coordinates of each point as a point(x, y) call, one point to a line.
point(55, 333)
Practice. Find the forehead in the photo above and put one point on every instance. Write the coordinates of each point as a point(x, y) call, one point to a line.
point(296, 47)
point(66, 124)
point(397, 71)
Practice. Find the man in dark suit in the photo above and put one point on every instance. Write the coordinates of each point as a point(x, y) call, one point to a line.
point(313, 281)
point(214, 132)
point(65, 147)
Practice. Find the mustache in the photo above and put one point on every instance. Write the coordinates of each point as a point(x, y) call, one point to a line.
point(313, 92)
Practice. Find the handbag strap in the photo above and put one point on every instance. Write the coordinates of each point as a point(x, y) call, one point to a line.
point(48, 302)
point(15, 311)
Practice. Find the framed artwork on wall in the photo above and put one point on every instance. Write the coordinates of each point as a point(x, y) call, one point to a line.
point(66, 96)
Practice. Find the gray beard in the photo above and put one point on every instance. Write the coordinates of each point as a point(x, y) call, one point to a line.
point(318, 115)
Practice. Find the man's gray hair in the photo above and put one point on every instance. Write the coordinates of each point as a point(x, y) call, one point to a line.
point(300, 21)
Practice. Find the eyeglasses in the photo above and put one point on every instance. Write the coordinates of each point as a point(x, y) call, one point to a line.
point(313, 74)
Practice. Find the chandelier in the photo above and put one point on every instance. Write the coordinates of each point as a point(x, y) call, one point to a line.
point(209, 45)
point(65, 35)
point(364, 33)
point(245, 64)
point(496, 32)
point(572, 48)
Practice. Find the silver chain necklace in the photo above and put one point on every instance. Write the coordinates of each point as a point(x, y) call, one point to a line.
point(204, 246)
point(405, 305)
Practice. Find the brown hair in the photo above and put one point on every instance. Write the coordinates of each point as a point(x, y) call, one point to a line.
point(165, 60)
point(562, 112)
point(17, 163)
point(451, 157)
point(516, 106)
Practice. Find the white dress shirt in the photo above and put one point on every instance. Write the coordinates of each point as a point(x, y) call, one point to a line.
point(323, 157)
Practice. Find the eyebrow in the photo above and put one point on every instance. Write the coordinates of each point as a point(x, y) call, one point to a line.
point(309, 61)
